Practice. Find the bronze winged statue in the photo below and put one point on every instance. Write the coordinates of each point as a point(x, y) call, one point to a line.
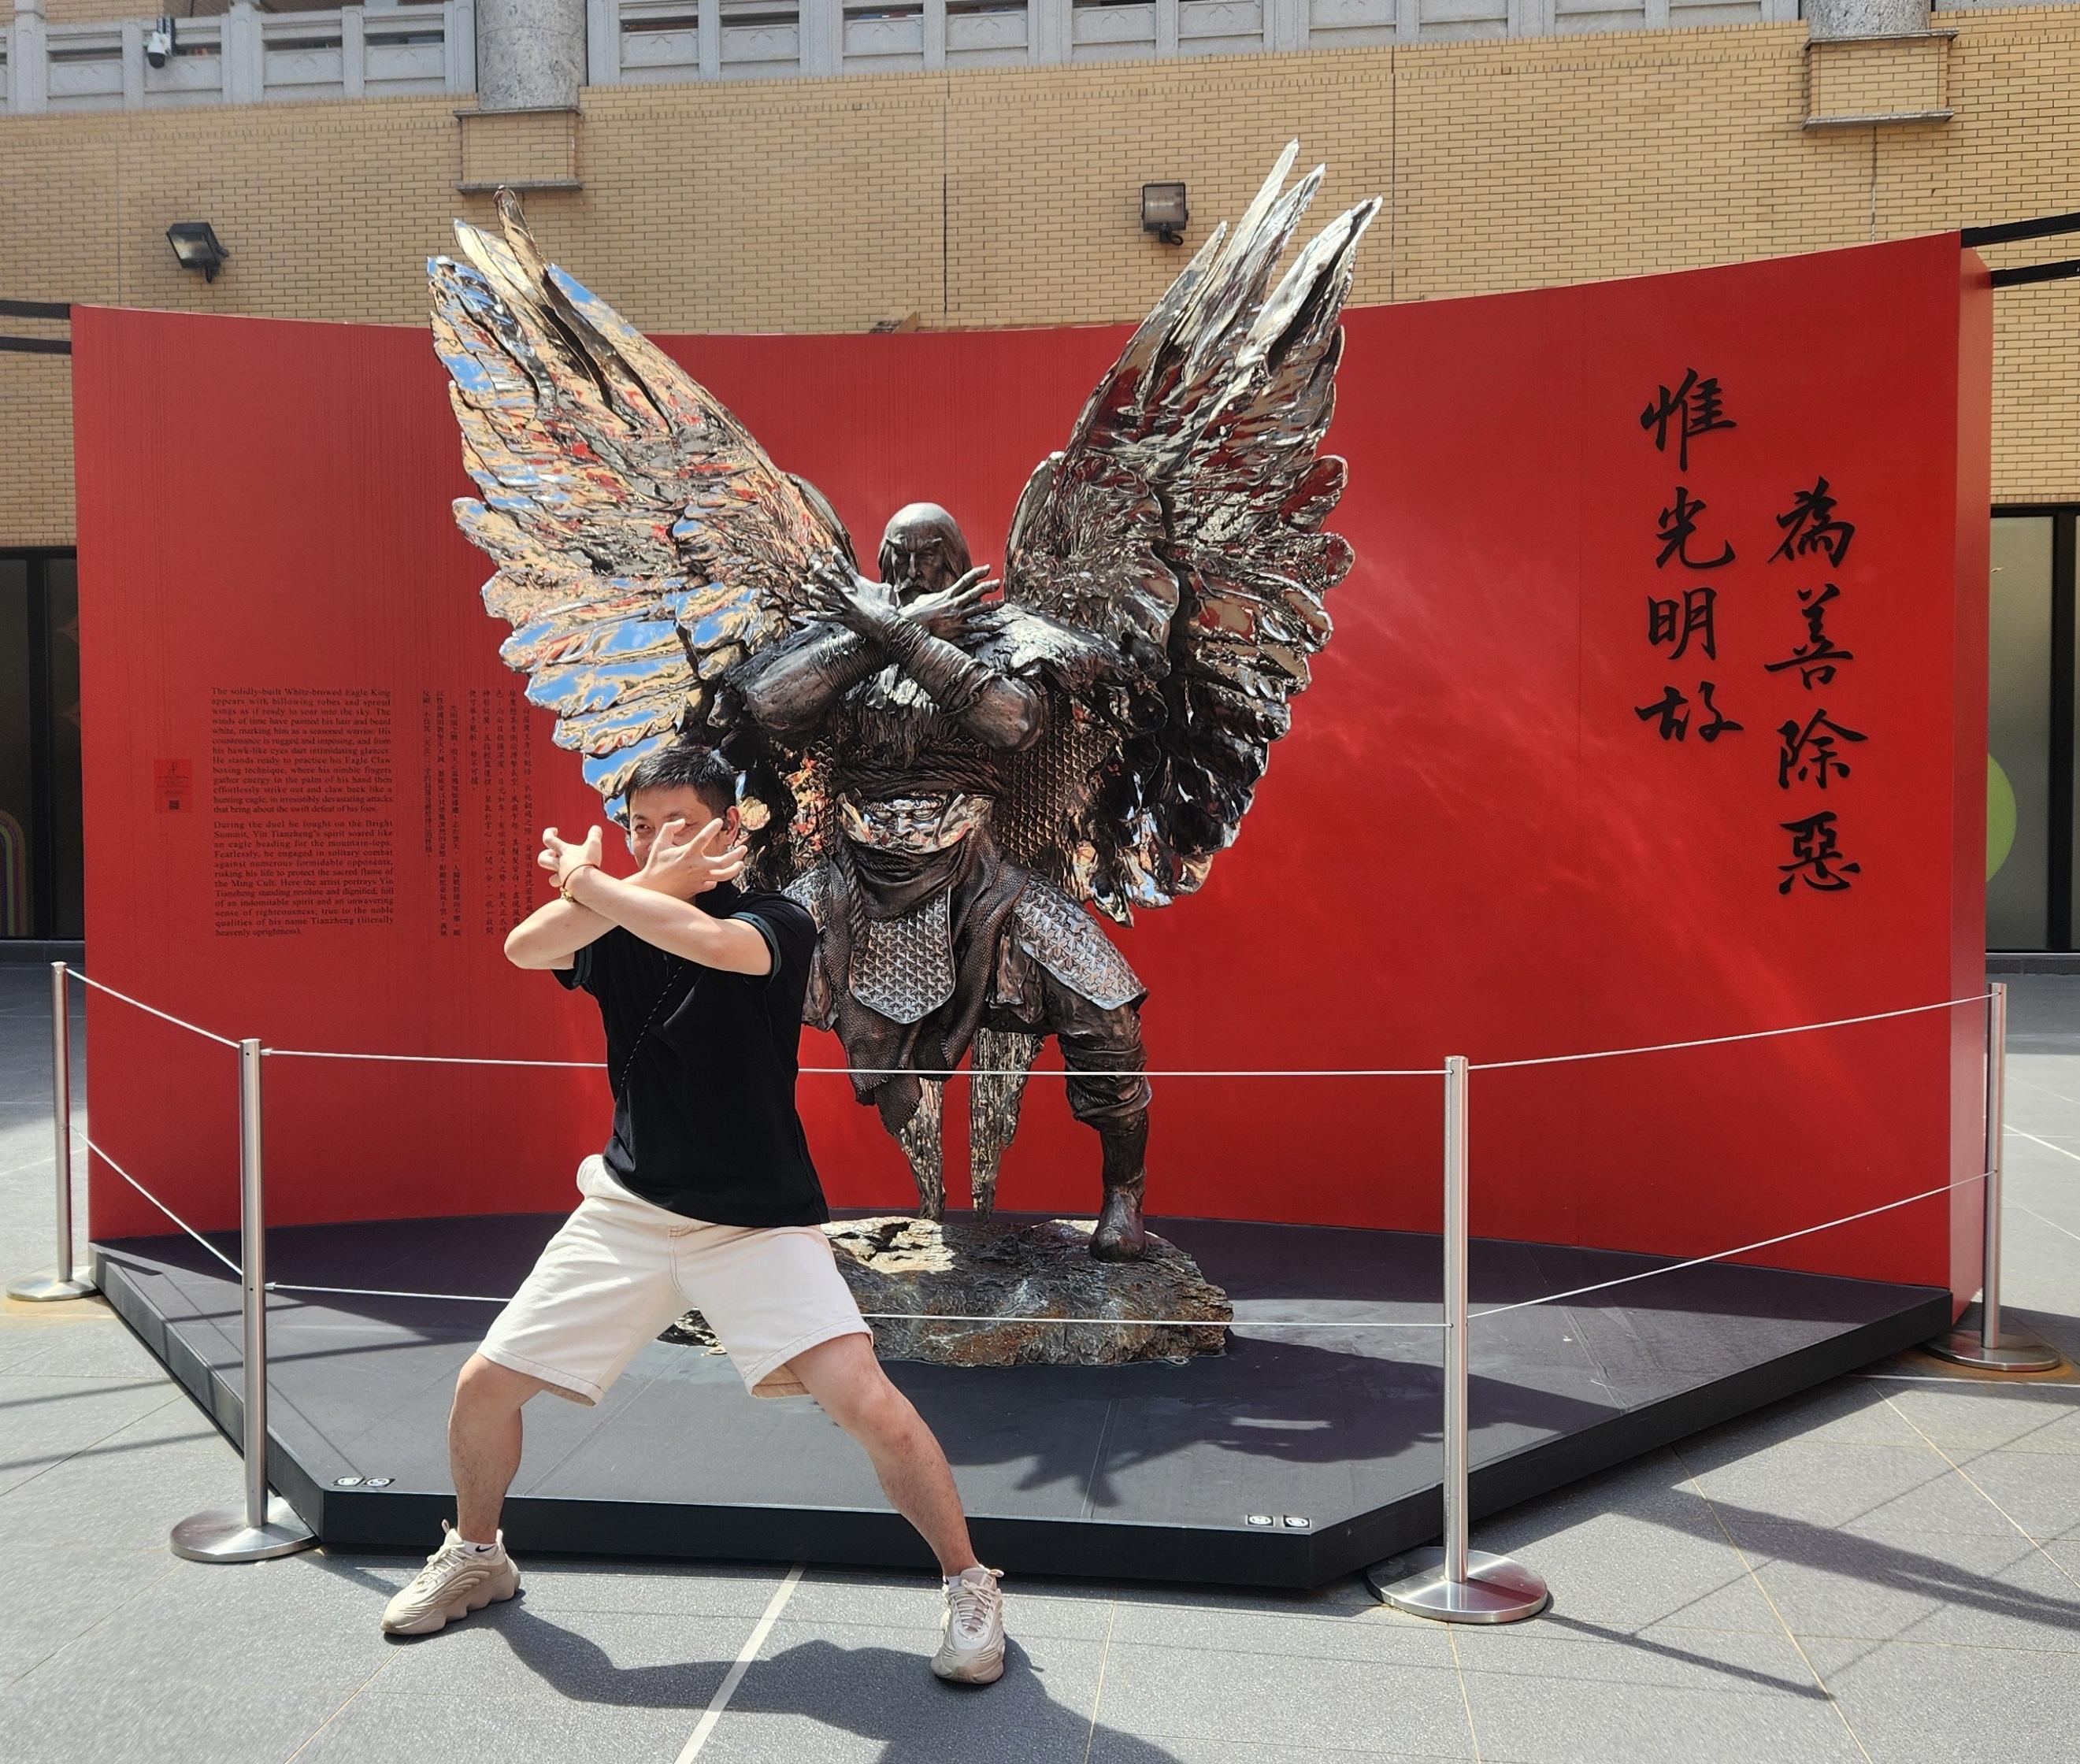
point(945, 776)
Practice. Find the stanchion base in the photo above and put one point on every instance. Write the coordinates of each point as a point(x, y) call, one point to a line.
point(1495, 1590)
point(46, 1289)
point(224, 1536)
point(2014, 1352)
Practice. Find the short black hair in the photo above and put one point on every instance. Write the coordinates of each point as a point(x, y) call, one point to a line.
point(685, 764)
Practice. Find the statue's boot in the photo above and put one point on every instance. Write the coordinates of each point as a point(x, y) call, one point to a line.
point(1120, 1236)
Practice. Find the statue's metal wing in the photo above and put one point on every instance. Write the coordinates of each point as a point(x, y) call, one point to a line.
point(644, 542)
point(1182, 521)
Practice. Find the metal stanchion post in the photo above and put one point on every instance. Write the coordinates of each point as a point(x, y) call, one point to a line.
point(268, 1525)
point(1989, 1346)
point(63, 1283)
point(1457, 1584)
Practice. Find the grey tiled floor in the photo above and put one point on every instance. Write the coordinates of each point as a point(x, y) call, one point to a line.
point(1885, 1570)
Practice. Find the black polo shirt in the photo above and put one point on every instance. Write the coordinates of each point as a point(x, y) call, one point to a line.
point(702, 1066)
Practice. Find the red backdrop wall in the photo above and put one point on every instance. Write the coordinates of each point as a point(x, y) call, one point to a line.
point(1472, 842)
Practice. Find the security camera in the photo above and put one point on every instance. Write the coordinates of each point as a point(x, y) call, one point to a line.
point(160, 43)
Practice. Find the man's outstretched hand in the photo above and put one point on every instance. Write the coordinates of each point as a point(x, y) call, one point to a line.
point(561, 856)
point(685, 862)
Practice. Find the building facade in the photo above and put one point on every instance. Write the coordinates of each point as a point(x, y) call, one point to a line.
point(830, 165)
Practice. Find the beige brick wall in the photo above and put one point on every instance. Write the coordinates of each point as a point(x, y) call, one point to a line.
point(93, 11)
point(1010, 197)
point(527, 149)
point(1881, 77)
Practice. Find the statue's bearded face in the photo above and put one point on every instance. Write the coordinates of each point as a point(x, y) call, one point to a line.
point(922, 552)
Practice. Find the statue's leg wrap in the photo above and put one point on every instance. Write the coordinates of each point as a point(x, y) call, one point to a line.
point(1107, 1089)
point(1001, 1059)
point(916, 1127)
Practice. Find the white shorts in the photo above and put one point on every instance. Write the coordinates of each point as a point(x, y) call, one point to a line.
point(621, 1268)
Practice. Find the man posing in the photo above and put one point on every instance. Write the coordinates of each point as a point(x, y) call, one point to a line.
point(705, 1197)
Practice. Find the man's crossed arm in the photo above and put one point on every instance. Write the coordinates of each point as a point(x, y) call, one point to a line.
point(656, 904)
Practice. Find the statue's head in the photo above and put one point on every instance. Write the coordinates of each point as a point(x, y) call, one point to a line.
point(922, 551)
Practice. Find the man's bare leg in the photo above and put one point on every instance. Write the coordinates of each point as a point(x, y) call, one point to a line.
point(484, 1442)
point(847, 1381)
point(470, 1570)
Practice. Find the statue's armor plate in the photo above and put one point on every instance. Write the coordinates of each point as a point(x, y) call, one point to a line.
point(1065, 940)
point(807, 891)
point(903, 968)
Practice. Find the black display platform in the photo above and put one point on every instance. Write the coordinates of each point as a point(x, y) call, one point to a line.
point(1142, 1472)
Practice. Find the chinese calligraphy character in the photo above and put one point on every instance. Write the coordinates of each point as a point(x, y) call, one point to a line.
point(1669, 621)
point(1813, 846)
point(1678, 525)
point(1721, 723)
point(1815, 658)
point(1809, 525)
point(1809, 751)
point(1693, 408)
point(1673, 710)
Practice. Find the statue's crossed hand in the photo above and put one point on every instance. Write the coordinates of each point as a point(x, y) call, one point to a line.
point(946, 613)
point(839, 594)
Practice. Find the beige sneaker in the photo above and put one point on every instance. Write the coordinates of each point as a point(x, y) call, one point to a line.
point(455, 1581)
point(971, 1644)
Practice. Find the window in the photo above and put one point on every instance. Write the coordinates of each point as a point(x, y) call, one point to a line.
point(2030, 732)
point(41, 893)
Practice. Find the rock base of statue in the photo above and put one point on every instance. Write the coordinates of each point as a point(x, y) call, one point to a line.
point(1013, 1273)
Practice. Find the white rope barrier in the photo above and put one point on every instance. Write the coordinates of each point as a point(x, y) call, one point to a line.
point(427, 1059)
point(1722, 1041)
point(1270, 1322)
point(374, 1292)
point(161, 1204)
point(1699, 1261)
point(1317, 1071)
point(877, 1071)
point(1242, 1323)
point(922, 1316)
point(153, 1009)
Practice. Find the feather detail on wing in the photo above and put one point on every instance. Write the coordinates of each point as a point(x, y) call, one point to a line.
point(1183, 523)
point(644, 542)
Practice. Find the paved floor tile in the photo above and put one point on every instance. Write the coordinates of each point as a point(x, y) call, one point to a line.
point(913, 1603)
point(1255, 1641)
point(849, 1692)
point(52, 1594)
point(1902, 1490)
point(1670, 1658)
point(170, 1717)
point(1163, 1693)
point(1846, 1412)
point(45, 1421)
point(133, 1486)
point(1978, 1418)
point(557, 1585)
point(507, 1651)
point(1928, 1705)
point(1970, 1588)
point(93, 1342)
point(1112, 1748)
point(379, 1726)
point(1628, 1572)
point(1569, 1720)
point(2039, 1491)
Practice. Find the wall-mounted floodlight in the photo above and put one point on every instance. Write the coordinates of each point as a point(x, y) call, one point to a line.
point(196, 245)
point(1163, 212)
